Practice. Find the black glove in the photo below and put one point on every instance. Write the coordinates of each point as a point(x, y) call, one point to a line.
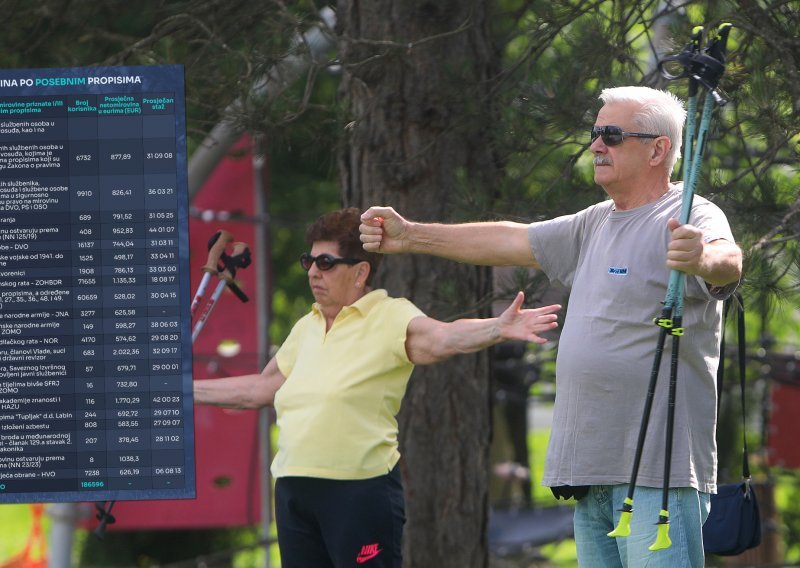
point(569, 491)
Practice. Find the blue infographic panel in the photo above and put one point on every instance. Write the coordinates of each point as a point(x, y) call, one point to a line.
point(95, 341)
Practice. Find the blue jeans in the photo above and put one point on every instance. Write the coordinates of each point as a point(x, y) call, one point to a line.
point(598, 513)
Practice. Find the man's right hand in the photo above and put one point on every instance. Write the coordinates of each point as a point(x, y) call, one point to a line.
point(383, 230)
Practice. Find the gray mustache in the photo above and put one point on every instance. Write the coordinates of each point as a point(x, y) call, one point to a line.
point(601, 161)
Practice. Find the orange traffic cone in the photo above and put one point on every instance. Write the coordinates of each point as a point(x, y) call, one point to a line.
point(34, 555)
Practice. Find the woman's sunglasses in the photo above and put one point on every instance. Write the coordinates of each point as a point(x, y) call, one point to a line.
point(614, 135)
point(324, 261)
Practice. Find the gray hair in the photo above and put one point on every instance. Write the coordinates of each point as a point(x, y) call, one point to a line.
point(660, 112)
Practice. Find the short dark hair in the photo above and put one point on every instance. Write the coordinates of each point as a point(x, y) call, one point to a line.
point(341, 226)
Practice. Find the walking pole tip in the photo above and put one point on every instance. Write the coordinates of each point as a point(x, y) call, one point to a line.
point(623, 528)
point(662, 535)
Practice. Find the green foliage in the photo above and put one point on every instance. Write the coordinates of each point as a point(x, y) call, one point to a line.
point(226, 49)
point(557, 55)
point(787, 497)
point(301, 190)
point(154, 548)
point(568, 52)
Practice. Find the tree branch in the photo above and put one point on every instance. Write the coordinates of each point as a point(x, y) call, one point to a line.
point(769, 238)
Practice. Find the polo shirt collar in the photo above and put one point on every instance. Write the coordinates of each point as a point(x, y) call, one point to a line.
point(363, 305)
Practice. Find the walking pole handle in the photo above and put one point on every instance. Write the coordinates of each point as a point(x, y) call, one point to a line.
point(706, 66)
point(216, 248)
point(240, 258)
point(684, 58)
point(717, 47)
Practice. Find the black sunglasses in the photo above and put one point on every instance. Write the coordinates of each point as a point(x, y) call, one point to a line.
point(324, 261)
point(614, 135)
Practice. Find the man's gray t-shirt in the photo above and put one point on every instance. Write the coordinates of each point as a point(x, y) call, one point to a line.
point(615, 263)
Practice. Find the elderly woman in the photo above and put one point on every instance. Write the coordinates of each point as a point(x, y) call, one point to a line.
point(336, 384)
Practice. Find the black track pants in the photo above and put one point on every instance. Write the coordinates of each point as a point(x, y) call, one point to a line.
point(328, 523)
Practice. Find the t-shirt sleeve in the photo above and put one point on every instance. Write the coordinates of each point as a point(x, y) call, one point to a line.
point(710, 219)
point(556, 245)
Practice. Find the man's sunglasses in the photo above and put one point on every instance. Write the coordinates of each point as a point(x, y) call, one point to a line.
point(324, 261)
point(614, 135)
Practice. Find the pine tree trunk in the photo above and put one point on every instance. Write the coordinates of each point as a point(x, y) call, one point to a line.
point(419, 121)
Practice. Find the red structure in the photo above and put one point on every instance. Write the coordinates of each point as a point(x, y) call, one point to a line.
point(784, 419)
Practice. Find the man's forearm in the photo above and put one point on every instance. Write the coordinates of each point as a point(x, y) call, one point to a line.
point(721, 263)
point(499, 243)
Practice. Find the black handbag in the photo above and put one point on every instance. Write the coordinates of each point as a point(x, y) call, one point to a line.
point(734, 524)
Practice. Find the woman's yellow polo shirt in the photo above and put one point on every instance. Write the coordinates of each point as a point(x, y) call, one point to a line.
point(336, 411)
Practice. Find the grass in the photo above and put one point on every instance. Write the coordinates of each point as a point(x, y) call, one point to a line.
point(561, 554)
point(558, 554)
point(16, 520)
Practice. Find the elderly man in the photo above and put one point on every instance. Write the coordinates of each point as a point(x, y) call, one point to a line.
point(616, 256)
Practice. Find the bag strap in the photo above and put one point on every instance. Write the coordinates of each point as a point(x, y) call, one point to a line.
point(740, 327)
point(739, 303)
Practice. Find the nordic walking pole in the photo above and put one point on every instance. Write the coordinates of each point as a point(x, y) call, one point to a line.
point(623, 527)
point(704, 69)
point(676, 329)
point(216, 248)
point(239, 259)
point(717, 47)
